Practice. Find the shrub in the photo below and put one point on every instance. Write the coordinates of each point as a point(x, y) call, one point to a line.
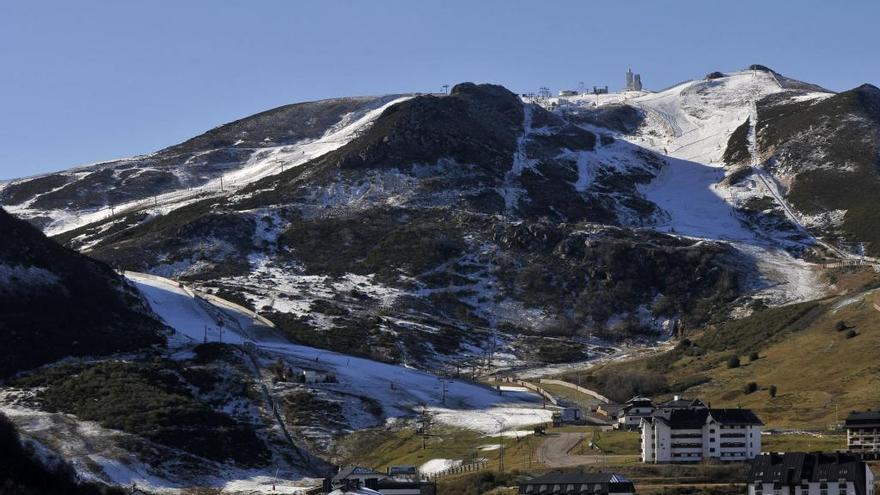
point(151, 400)
point(753, 356)
point(840, 326)
point(772, 391)
point(22, 472)
point(850, 334)
point(558, 351)
point(733, 362)
point(750, 387)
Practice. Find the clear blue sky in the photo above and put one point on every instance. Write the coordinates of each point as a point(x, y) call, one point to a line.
point(94, 80)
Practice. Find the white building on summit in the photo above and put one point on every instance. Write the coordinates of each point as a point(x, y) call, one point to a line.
point(633, 81)
point(694, 434)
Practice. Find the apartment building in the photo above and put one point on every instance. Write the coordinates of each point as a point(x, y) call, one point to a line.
point(863, 431)
point(694, 434)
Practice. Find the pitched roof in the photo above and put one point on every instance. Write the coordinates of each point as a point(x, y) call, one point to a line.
point(639, 402)
point(863, 419)
point(695, 418)
point(735, 416)
point(792, 468)
point(682, 419)
point(615, 483)
point(681, 404)
point(349, 471)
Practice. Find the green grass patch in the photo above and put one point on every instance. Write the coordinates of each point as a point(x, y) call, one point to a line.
point(802, 443)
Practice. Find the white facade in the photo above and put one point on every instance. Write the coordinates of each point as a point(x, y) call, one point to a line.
point(864, 439)
point(661, 443)
point(632, 418)
point(828, 487)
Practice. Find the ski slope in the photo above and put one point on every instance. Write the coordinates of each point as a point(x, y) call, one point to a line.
point(698, 117)
point(398, 389)
point(263, 163)
point(690, 125)
point(688, 193)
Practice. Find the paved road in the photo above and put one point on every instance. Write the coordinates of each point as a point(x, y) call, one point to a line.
point(555, 451)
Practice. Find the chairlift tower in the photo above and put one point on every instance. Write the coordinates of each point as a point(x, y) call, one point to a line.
point(544, 92)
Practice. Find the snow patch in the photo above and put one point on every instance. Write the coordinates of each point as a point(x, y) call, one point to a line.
point(435, 466)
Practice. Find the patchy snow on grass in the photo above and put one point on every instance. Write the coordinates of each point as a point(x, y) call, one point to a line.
point(399, 390)
point(495, 420)
point(262, 163)
point(435, 466)
point(269, 484)
point(783, 278)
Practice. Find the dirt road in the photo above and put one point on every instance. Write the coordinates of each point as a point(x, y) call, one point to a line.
point(555, 451)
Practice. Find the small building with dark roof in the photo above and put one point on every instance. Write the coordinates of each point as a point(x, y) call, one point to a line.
point(630, 415)
point(577, 483)
point(400, 480)
point(698, 433)
point(678, 402)
point(358, 473)
point(863, 431)
point(798, 473)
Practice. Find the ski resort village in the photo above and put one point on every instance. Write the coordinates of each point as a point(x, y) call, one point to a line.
point(606, 287)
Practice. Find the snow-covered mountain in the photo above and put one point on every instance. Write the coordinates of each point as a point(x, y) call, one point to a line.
point(239, 152)
point(321, 264)
point(465, 215)
point(442, 222)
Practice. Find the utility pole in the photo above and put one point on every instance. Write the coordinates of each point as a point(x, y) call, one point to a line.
point(500, 422)
point(425, 425)
point(445, 89)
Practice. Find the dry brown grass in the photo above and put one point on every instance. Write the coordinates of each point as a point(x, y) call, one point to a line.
point(820, 374)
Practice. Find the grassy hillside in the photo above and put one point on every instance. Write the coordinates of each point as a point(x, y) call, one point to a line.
point(820, 368)
point(381, 448)
point(830, 148)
